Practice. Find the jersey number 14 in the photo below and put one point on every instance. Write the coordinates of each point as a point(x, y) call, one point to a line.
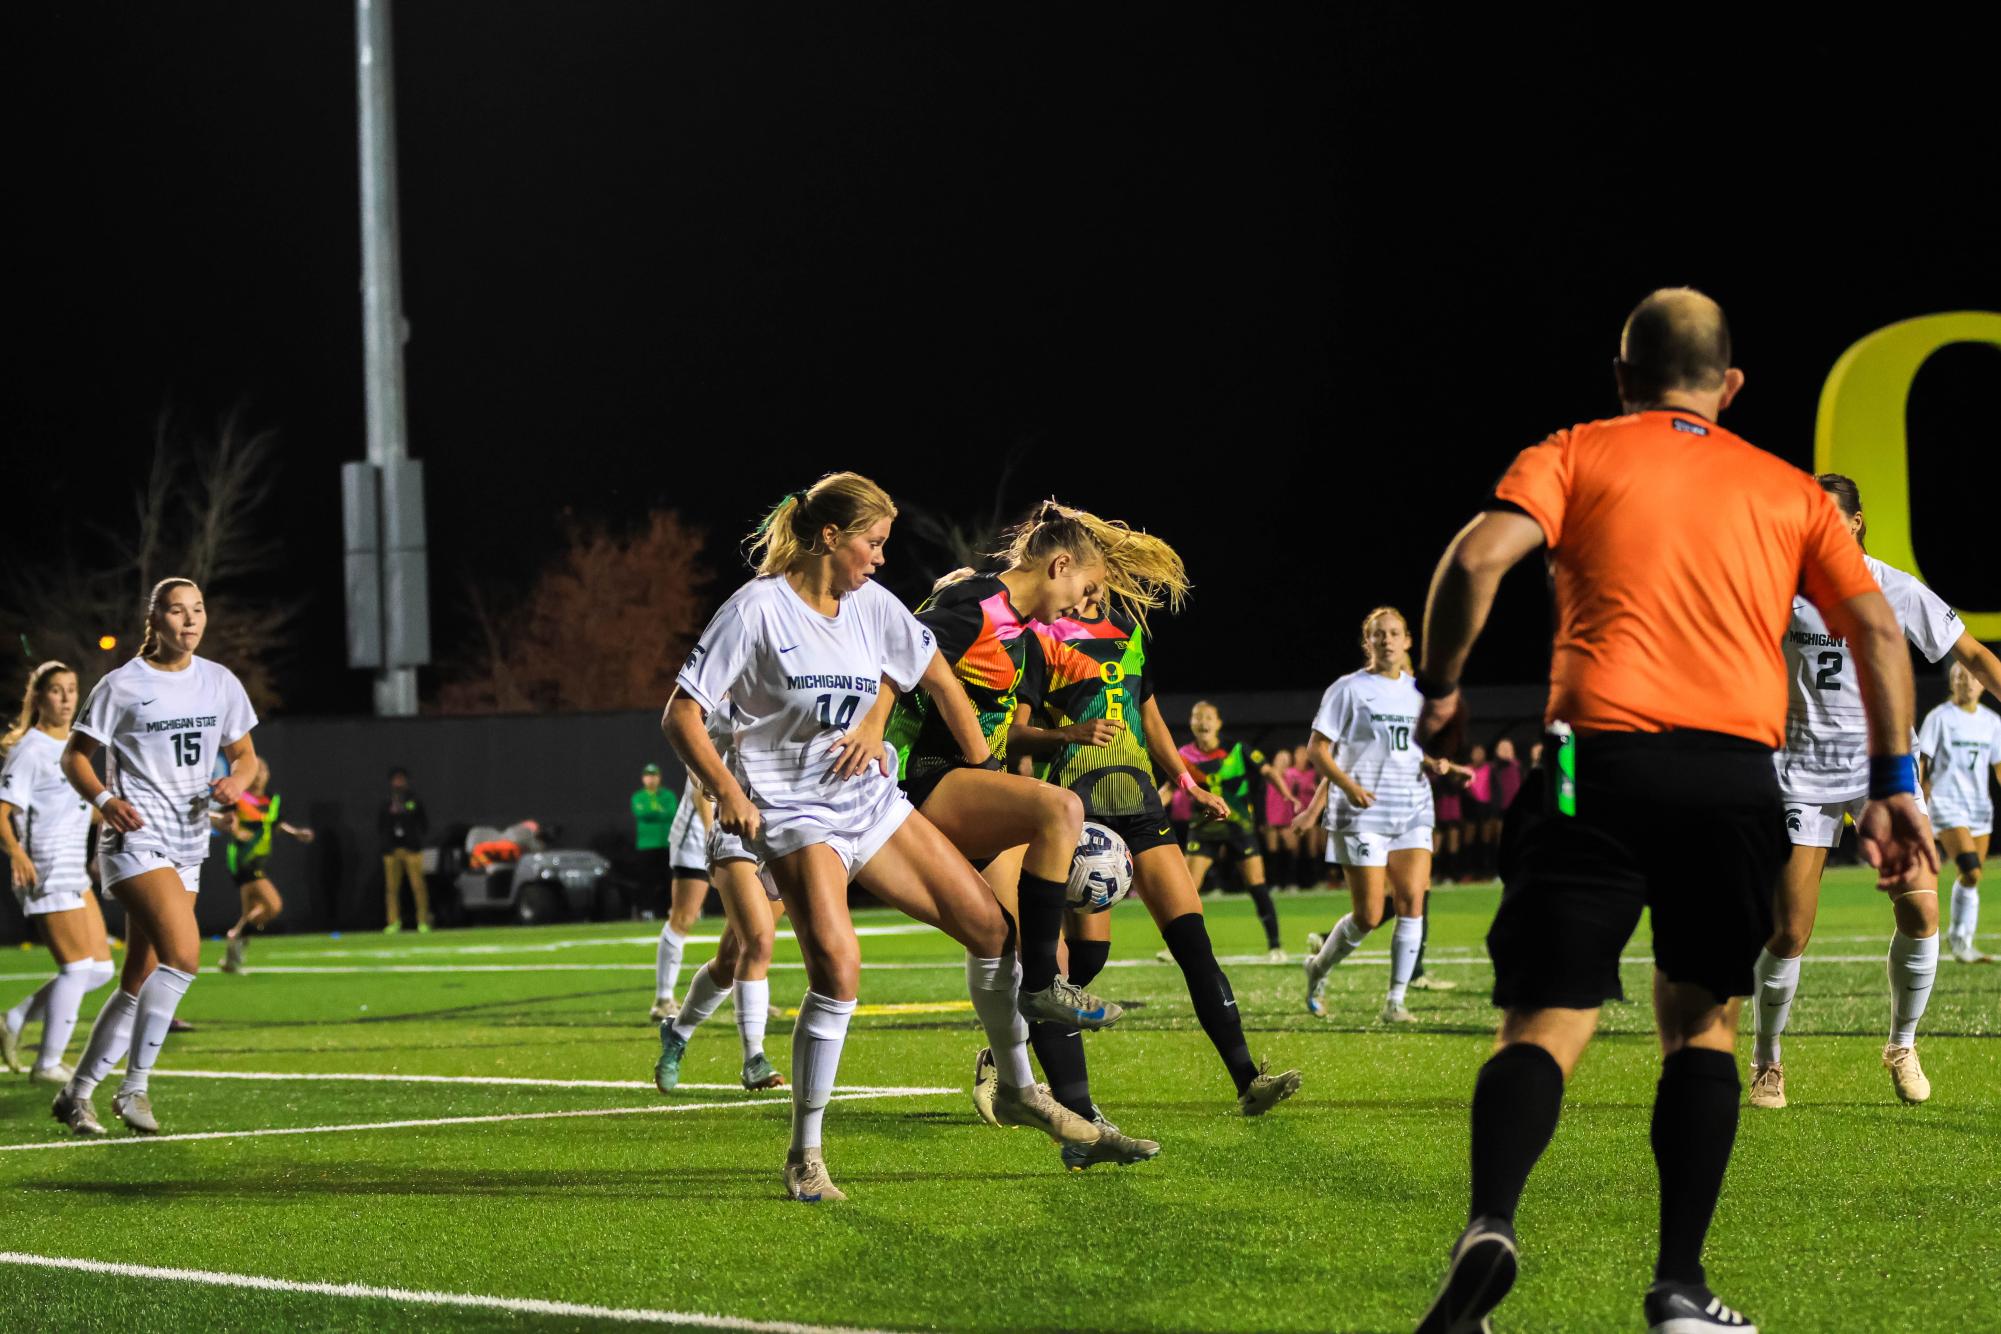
point(830, 717)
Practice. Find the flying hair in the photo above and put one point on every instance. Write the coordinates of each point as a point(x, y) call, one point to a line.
point(1141, 571)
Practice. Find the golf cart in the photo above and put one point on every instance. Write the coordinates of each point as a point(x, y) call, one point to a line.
point(514, 871)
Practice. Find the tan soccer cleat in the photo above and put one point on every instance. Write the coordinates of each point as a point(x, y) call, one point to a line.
point(10, 1048)
point(1034, 1107)
point(1268, 1091)
point(806, 1179)
point(136, 1111)
point(986, 1078)
point(664, 1008)
point(1906, 1075)
point(1768, 1085)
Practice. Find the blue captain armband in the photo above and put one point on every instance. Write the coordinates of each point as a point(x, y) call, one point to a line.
point(1892, 774)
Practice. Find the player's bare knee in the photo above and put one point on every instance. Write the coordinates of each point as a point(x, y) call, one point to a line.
point(1062, 812)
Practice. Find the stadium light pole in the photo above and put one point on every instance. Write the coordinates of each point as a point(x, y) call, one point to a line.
point(383, 499)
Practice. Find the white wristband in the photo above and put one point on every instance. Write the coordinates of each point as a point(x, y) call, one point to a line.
point(102, 797)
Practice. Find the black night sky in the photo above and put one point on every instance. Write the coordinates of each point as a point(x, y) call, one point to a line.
point(1288, 288)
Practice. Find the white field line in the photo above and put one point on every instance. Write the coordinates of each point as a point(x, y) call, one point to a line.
point(495, 1119)
point(506, 1081)
point(552, 946)
point(1431, 959)
point(419, 1297)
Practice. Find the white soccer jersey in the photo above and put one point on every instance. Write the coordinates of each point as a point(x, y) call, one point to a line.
point(1826, 756)
point(796, 681)
point(1372, 721)
point(51, 821)
point(1963, 749)
point(688, 836)
point(163, 731)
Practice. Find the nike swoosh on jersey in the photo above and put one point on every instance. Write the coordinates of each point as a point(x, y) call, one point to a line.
point(788, 648)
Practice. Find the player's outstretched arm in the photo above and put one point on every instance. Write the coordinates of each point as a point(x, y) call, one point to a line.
point(1978, 659)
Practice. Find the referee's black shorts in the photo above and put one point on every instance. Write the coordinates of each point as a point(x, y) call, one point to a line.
point(1688, 825)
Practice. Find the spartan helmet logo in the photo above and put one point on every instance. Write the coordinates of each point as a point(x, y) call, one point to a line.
point(1793, 814)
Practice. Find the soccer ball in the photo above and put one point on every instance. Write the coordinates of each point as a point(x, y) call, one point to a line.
point(1101, 870)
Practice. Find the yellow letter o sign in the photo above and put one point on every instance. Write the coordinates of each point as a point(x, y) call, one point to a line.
point(1860, 430)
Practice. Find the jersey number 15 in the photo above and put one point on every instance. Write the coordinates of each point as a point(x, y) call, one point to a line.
point(187, 749)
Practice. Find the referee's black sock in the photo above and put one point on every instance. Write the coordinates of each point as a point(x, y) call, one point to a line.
point(1267, 912)
point(1042, 905)
point(1215, 1004)
point(1695, 1124)
point(1516, 1101)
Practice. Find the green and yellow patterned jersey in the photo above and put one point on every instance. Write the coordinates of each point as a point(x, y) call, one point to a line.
point(1234, 773)
point(1088, 670)
point(985, 639)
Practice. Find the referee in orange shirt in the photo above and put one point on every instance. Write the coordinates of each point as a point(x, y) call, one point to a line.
point(1675, 549)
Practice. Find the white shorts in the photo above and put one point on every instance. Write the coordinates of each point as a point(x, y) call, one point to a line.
point(1977, 823)
point(727, 847)
point(34, 903)
point(1817, 824)
point(859, 838)
point(1360, 847)
point(113, 867)
point(687, 840)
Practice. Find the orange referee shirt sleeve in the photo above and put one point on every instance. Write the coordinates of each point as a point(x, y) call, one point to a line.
point(1539, 482)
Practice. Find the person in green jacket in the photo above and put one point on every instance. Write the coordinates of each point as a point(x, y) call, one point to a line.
point(652, 817)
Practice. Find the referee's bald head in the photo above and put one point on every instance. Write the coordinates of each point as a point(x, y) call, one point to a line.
point(1675, 342)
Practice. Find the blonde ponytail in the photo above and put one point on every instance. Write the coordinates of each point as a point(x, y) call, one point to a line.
point(791, 531)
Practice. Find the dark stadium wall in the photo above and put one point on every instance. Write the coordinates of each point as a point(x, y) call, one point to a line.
point(575, 773)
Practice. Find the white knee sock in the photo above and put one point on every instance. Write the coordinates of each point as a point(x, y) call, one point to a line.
point(817, 1039)
point(34, 1003)
point(704, 998)
point(65, 997)
point(109, 1037)
point(1965, 911)
point(753, 1003)
point(1340, 942)
point(158, 1000)
point(1405, 941)
point(1912, 966)
point(667, 962)
point(993, 985)
point(1778, 982)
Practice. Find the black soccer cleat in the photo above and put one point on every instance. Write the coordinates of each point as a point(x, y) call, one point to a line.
point(1691, 1308)
point(1481, 1272)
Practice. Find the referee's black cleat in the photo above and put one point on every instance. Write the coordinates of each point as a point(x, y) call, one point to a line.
point(1691, 1308)
point(1480, 1273)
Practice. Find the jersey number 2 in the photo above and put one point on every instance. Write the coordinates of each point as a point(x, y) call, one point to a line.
point(1829, 676)
point(824, 706)
point(187, 749)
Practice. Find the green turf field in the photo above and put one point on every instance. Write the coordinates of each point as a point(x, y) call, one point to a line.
point(1846, 1211)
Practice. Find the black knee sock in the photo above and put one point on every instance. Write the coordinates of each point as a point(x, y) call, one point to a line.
point(1042, 908)
point(1060, 1052)
point(1087, 960)
point(1516, 1102)
point(1423, 935)
point(1267, 912)
point(1215, 1004)
point(1695, 1124)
